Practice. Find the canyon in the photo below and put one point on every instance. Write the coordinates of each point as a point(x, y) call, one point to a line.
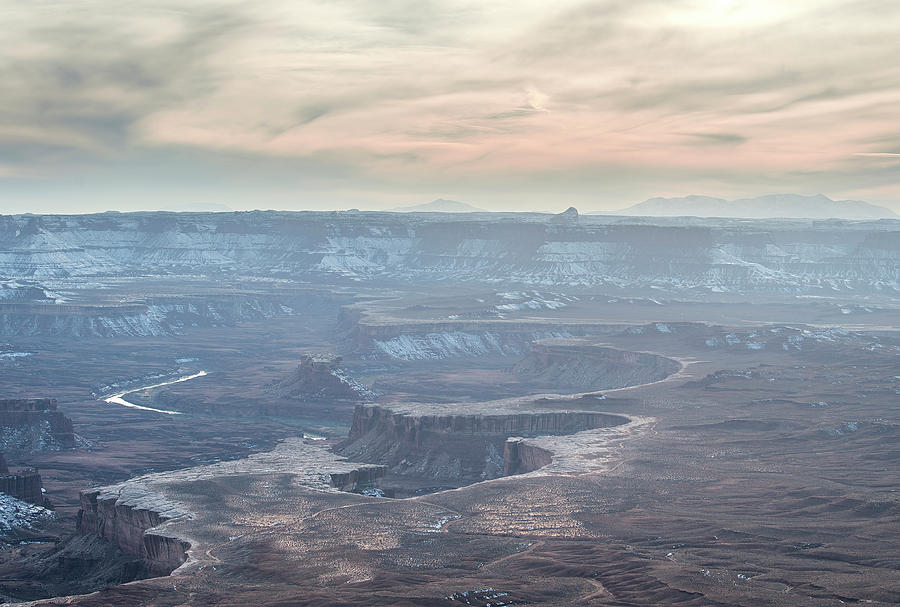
point(461, 443)
point(715, 255)
point(426, 409)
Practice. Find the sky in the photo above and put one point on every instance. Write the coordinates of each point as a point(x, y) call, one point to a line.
point(507, 105)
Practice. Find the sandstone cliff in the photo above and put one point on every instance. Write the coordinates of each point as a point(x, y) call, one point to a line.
point(521, 457)
point(465, 443)
point(25, 485)
point(30, 425)
point(566, 364)
point(125, 516)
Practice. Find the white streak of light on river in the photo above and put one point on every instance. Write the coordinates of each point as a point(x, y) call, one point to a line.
point(116, 399)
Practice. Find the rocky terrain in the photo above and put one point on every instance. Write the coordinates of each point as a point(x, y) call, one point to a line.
point(569, 364)
point(515, 409)
point(796, 256)
point(455, 444)
point(31, 425)
point(320, 376)
point(18, 515)
point(761, 477)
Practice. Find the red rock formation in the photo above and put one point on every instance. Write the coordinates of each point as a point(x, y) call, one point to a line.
point(129, 528)
point(463, 444)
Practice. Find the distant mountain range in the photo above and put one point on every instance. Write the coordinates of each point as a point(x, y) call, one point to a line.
point(440, 205)
point(761, 207)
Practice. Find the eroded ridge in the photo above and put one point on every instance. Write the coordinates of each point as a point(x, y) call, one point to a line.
point(394, 450)
point(457, 443)
point(145, 517)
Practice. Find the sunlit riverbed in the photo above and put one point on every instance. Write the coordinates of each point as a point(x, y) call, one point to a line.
point(118, 399)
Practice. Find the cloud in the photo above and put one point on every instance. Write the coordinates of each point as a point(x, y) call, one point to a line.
point(716, 138)
point(80, 80)
point(411, 95)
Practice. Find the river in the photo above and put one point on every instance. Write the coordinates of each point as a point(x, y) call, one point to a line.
point(118, 399)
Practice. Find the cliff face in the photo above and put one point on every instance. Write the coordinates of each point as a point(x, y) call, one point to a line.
point(464, 446)
point(364, 477)
point(320, 376)
point(137, 516)
point(30, 425)
point(678, 254)
point(126, 526)
point(520, 457)
point(150, 317)
point(586, 368)
point(25, 485)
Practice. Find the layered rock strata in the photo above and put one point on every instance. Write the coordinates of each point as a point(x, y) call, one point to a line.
point(719, 255)
point(125, 515)
point(162, 315)
point(29, 425)
point(576, 366)
point(139, 518)
point(459, 443)
point(25, 485)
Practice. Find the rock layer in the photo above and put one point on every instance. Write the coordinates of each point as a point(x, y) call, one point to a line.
point(458, 444)
point(798, 256)
point(30, 425)
point(123, 522)
point(564, 363)
point(25, 485)
point(521, 457)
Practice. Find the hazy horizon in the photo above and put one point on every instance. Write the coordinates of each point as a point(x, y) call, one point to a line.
point(508, 107)
point(214, 207)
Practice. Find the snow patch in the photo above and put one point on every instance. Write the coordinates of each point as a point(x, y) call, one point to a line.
point(458, 344)
point(16, 514)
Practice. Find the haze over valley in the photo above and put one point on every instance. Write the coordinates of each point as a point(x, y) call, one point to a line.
point(450, 303)
point(232, 390)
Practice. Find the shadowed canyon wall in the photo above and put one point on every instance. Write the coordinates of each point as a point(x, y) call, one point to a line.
point(457, 447)
point(30, 425)
point(588, 367)
point(126, 526)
